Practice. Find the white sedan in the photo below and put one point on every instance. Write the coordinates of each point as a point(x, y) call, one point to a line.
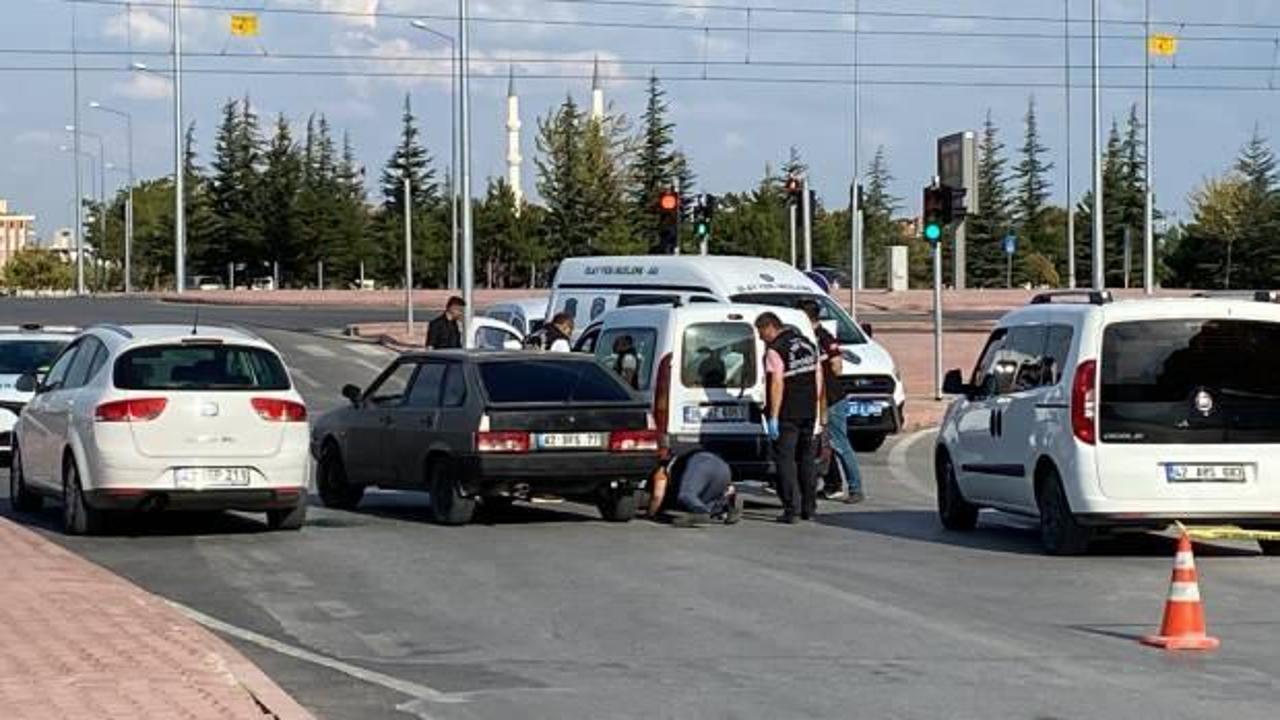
point(147, 418)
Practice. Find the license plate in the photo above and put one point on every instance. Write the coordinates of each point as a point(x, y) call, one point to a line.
point(865, 408)
point(196, 478)
point(570, 441)
point(696, 414)
point(1200, 472)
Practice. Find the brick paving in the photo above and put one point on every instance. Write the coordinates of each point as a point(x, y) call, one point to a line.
point(78, 643)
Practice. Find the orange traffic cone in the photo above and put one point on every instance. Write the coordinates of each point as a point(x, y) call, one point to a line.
point(1183, 626)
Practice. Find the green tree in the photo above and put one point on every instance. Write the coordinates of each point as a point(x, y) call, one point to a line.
point(38, 269)
point(411, 161)
point(560, 181)
point(879, 229)
point(987, 228)
point(281, 184)
point(654, 164)
point(350, 243)
point(505, 233)
point(1031, 179)
point(602, 177)
point(235, 184)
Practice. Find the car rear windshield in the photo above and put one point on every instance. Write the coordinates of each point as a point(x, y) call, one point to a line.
point(1190, 381)
point(550, 381)
point(846, 331)
point(23, 357)
point(200, 367)
point(716, 356)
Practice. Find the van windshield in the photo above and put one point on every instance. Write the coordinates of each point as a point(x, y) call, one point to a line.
point(718, 356)
point(847, 332)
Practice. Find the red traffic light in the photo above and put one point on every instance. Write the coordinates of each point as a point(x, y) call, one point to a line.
point(793, 185)
point(668, 201)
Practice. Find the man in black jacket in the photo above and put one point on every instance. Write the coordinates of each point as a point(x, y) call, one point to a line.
point(445, 332)
point(795, 404)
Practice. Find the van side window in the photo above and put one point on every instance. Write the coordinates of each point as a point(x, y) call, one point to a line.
point(597, 308)
point(1020, 366)
point(1057, 348)
point(983, 378)
point(571, 307)
point(646, 299)
point(718, 356)
point(629, 353)
point(702, 299)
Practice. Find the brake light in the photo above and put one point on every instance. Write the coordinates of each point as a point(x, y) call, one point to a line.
point(502, 441)
point(137, 410)
point(662, 394)
point(633, 441)
point(277, 410)
point(1084, 403)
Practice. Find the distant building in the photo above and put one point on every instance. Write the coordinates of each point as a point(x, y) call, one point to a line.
point(63, 243)
point(16, 232)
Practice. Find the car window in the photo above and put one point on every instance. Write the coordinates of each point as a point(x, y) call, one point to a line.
point(571, 307)
point(1020, 366)
point(587, 343)
point(427, 386)
point(983, 378)
point(22, 357)
point(629, 352)
point(491, 338)
point(718, 356)
point(1057, 349)
point(455, 386)
point(86, 363)
point(703, 299)
point(597, 308)
point(99, 360)
point(551, 381)
point(392, 388)
point(644, 299)
point(203, 366)
point(58, 373)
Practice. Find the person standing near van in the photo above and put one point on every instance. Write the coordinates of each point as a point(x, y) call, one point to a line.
point(445, 332)
point(837, 433)
point(554, 336)
point(794, 405)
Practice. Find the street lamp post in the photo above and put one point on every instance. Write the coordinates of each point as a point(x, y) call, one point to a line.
point(1099, 223)
point(179, 182)
point(468, 247)
point(102, 183)
point(79, 205)
point(453, 146)
point(128, 208)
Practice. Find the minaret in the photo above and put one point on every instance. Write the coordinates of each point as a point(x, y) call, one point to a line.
point(597, 93)
point(514, 159)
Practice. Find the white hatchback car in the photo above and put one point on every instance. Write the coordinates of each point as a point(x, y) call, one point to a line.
point(155, 417)
point(24, 350)
point(1096, 416)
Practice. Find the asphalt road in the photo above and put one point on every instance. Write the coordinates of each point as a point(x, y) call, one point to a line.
point(546, 612)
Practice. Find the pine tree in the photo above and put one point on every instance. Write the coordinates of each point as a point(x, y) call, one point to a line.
point(1257, 257)
point(342, 259)
point(430, 239)
point(1030, 177)
point(235, 183)
point(654, 165)
point(412, 161)
point(602, 177)
point(879, 230)
point(987, 228)
point(280, 186)
point(1257, 163)
point(560, 182)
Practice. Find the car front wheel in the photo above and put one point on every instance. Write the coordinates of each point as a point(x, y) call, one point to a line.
point(954, 511)
point(449, 505)
point(1060, 533)
point(20, 496)
point(1270, 548)
point(77, 517)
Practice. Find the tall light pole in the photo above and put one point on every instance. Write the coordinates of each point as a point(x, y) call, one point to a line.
point(1099, 222)
point(75, 119)
point(128, 208)
point(102, 182)
point(1148, 216)
point(468, 240)
point(1071, 200)
point(453, 146)
point(856, 275)
point(179, 182)
point(79, 205)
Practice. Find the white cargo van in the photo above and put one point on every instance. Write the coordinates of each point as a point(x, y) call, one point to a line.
point(589, 287)
point(702, 367)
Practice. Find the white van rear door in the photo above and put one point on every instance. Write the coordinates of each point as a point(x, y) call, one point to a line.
point(717, 381)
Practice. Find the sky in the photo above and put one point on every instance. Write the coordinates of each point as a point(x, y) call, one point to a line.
point(743, 86)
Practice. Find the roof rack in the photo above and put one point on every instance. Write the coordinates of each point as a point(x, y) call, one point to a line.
point(38, 328)
point(1093, 297)
point(1266, 296)
point(116, 329)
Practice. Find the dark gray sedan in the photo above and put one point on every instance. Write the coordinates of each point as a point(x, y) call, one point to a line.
point(489, 428)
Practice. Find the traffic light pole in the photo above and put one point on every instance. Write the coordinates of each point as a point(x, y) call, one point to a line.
point(808, 224)
point(791, 212)
point(937, 320)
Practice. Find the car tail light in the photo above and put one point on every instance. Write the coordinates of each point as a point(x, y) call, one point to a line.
point(502, 441)
point(633, 441)
point(137, 410)
point(662, 398)
point(277, 410)
point(1084, 403)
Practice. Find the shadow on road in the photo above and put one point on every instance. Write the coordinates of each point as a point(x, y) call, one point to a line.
point(167, 524)
point(416, 507)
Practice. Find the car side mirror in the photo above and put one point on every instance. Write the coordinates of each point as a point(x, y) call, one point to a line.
point(352, 393)
point(954, 384)
point(27, 383)
point(868, 330)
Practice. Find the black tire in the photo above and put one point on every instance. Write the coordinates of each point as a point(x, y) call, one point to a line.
point(20, 496)
point(618, 506)
point(331, 481)
point(1270, 548)
point(954, 511)
point(1060, 533)
point(867, 442)
point(78, 518)
point(448, 505)
point(288, 519)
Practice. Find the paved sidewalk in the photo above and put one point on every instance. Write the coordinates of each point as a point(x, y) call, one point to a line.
point(80, 643)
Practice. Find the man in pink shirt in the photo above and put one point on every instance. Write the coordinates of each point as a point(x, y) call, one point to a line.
point(794, 409)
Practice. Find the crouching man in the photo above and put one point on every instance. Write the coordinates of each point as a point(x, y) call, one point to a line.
point(695, 489)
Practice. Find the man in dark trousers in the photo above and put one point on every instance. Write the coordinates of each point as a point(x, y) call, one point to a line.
point(445, 332)
point(794, 408)
point(695, 489)
point(837, 434)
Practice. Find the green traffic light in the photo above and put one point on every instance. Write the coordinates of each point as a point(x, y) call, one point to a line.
point(933, 232)
point(702, 229)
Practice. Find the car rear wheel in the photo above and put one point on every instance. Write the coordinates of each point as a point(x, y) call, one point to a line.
point(867, 442)
point(288, 518)
point(954, 511)
point(449, 505)
point(335, 491)
point(618, 506)
point(20, 496)
point(1270, 548)
point(77, 517)
point(1060, 533)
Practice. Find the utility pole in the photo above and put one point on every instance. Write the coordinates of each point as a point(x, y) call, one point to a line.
point(128, 207)
point(1148, 222)
point(75, 141)
point(791, 227)
point(468, 239)
point(179, 166)
point(1099, 223)
point(1066, 86)
point(856, 275)
point(807, 211)
point(408, 256)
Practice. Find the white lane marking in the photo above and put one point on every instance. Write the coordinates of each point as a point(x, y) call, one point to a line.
point(298, 373)
point(337, 609)
point(316, 351)
point(412, 689)
point(370, 350)
point(898, 464)
point(369, 366)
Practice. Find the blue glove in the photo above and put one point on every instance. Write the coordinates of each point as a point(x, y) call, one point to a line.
point(771, 427)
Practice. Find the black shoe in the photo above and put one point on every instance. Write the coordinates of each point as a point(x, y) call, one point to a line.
point(787, 518)
point(854, 498)
point(807, 516)
point(734, 513)
point(690, 520)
